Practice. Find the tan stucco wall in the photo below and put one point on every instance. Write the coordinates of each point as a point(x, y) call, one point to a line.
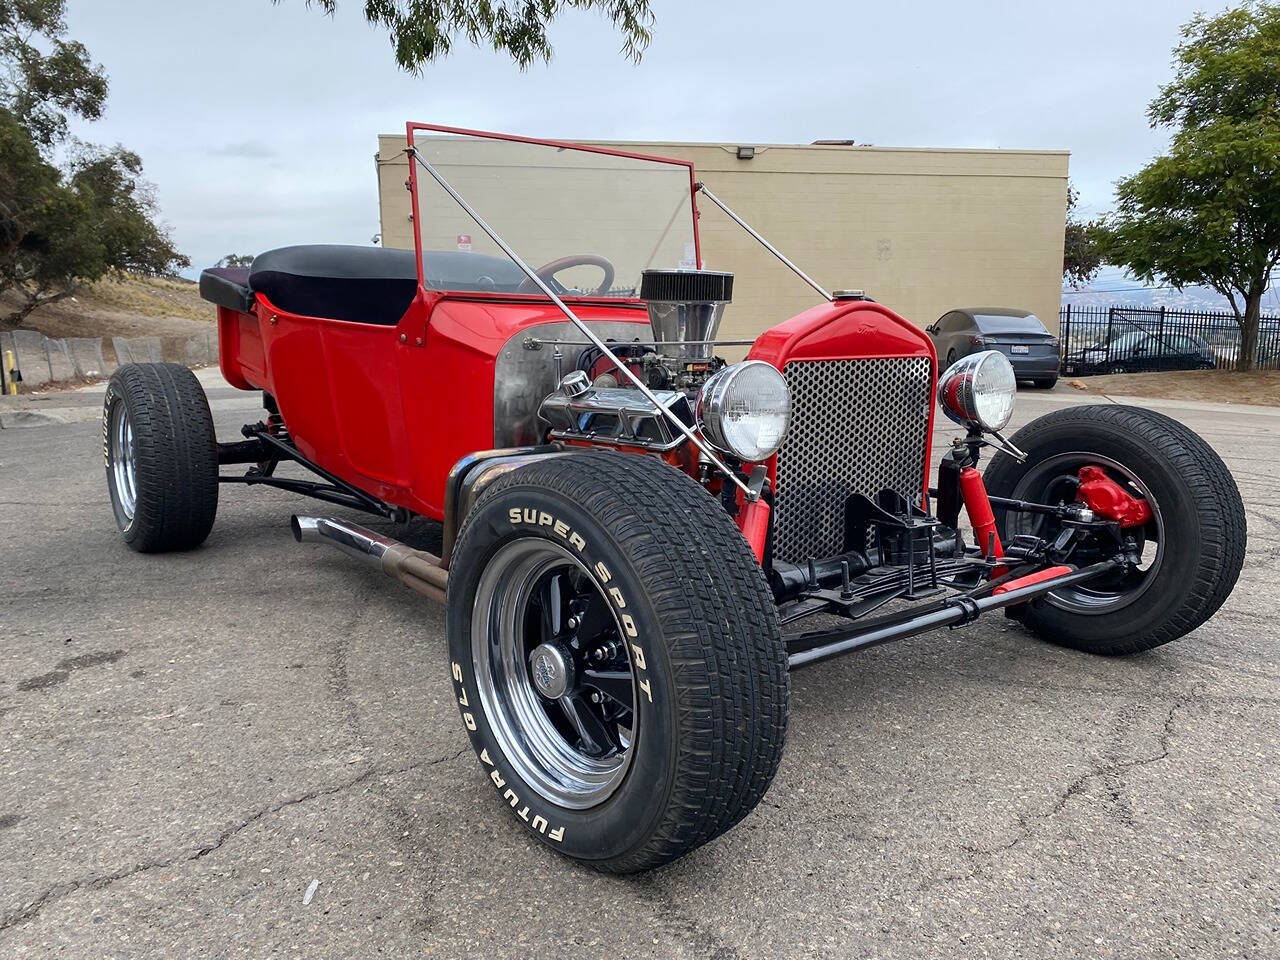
point(920, 230)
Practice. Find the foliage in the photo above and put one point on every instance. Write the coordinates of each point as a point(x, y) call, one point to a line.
point(63, 225)
point(423, 31)
point(40, 87)
point(236, 260)
point(1081, 252)
point(1208, 211)
point(75, 225)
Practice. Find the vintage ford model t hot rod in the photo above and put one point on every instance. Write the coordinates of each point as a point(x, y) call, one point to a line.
point(632, 525)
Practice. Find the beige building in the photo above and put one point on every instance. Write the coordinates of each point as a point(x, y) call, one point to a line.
point(921, 230)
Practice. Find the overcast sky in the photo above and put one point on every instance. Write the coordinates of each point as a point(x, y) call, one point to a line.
point(258, 123)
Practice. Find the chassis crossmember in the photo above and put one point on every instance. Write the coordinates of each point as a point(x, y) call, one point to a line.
point(423, 572)
point(816, 646)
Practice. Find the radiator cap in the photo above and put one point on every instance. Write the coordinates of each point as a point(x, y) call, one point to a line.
point(849, 295)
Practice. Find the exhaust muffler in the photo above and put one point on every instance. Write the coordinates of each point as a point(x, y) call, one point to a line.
point(416, 569)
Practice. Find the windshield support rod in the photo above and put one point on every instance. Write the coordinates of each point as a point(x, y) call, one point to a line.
point(658, 405)
point(702, 188)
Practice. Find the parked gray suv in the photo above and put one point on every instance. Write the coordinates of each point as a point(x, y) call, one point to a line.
point(1019, 335)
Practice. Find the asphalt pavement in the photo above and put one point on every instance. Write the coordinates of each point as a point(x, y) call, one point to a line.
point(252, 750)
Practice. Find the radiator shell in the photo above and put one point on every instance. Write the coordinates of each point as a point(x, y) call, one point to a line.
point(863, 384)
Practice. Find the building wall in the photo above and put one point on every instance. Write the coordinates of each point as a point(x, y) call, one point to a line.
point(920, 230)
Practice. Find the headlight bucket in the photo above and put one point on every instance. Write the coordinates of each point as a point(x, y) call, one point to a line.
point(979, 390)
point(745, 410)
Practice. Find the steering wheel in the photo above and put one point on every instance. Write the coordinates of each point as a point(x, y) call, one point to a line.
point(548, 271)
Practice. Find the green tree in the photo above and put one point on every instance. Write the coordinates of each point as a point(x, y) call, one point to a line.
point(65, 227)
point(43, 75)
point(1081, 252)
point(236, 260)
point(68, 224)
point(1208, 211)
point(425, 30)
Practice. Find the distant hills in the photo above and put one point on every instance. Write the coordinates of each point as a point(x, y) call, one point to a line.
point(1113, 288)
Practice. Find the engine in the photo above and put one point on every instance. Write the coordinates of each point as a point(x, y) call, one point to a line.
point(685, 308)
point(742, 410)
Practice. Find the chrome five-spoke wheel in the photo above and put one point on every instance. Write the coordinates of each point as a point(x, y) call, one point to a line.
point(122, 460)
point(553, 673)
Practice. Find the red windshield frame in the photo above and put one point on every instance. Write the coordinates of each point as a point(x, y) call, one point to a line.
point(411, 127)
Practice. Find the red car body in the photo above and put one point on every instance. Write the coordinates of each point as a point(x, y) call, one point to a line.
point(363, 401)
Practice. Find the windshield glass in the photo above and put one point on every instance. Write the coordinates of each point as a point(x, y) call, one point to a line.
point(992, 323)
point(588, 222)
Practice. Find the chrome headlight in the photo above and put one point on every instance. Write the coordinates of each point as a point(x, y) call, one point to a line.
point(745, 409)
point(979, 390)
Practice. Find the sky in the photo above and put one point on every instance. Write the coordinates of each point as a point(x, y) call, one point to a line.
point(257, 122)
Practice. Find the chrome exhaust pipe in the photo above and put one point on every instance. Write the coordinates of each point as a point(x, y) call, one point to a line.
point(416, 569)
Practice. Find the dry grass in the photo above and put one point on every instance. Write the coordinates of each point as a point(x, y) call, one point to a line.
point(128, 307)
point(150, 297)
point(1261, 387)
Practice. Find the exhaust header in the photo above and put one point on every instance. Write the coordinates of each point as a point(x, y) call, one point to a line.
point(416, 569)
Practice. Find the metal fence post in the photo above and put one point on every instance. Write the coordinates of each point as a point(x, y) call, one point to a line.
point(1160, 340)
point(1111, 313)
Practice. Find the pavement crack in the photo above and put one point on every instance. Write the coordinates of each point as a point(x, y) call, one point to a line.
point(101, 881)
point(1110, 770)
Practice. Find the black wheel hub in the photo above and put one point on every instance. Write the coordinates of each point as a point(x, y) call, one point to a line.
point(578, 663)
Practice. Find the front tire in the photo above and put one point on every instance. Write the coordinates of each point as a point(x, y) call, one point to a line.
point(617, 658)
point(161, 457)
point(1192, 550)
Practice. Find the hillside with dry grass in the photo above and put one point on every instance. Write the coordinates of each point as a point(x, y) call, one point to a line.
point(126, 307)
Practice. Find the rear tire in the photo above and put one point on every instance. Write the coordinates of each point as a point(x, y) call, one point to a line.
point(1198, 529)
point(161, 457)
point(1046, 383)
point(659, 575)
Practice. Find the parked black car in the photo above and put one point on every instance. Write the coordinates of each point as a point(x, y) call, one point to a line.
point(1019, 335)
point(1136, 350)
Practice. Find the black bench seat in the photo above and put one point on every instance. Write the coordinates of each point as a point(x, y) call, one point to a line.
point(358, 284)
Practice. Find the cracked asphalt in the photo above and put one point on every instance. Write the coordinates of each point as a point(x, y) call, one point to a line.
point(187, 742)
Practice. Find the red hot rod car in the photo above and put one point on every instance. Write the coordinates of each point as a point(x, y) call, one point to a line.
point(632, 525)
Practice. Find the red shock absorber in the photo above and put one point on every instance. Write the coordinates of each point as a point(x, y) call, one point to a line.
point(753, 521)
point(978, 507)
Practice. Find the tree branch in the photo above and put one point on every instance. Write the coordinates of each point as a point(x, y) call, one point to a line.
point(34, 300)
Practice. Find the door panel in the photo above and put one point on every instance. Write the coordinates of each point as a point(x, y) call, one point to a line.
point(365, 383)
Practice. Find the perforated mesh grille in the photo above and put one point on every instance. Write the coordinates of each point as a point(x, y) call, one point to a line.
point(857, 426)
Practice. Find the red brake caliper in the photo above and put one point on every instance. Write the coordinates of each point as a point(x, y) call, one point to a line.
point(1108, 499)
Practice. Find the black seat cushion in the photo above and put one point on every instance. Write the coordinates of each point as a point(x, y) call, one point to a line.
point(227, 287)
point(357, 284)
point(370, 284)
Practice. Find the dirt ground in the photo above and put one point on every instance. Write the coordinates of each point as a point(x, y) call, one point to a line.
point(129, 307)
point(1261, 387)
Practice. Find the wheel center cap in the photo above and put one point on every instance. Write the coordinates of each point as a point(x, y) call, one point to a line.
point(551, 668)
